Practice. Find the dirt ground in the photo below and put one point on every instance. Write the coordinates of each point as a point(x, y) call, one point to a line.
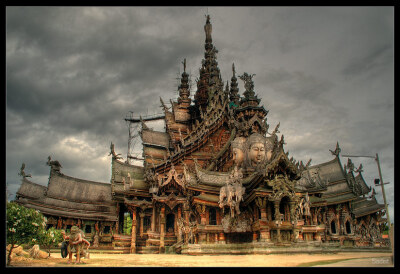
point(365, 259)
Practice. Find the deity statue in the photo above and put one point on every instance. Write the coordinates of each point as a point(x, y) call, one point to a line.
point(76, 242)
point(256, 149)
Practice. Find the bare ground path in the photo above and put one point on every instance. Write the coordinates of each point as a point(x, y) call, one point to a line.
point(365, 259)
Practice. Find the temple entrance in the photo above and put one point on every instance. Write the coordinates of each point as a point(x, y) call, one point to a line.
point(170, 223)
point(242, 237)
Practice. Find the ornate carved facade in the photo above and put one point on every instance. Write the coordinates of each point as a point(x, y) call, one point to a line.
point(215, 176)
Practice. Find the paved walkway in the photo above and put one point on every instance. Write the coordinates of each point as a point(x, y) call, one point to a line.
point(363, 262)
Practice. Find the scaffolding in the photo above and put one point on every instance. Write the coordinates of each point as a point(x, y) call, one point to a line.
point(134, 127)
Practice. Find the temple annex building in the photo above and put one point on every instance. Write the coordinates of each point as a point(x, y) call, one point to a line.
point(216, 181)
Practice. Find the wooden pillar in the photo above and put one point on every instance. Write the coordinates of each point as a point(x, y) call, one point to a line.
point(265, 235)
point(203, 220)
point(186, 211)
point(179, 215)
point(162, 229)
point(277, 212)
point(153, 219)
point(141, 215)
point(279, 235)
point(133, 234)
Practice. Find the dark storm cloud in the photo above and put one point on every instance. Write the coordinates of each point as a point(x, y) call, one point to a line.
point(74, 73)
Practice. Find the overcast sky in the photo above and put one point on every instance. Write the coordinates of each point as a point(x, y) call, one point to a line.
point(73, 74)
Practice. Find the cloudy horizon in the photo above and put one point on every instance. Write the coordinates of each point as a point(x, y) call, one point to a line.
point(74, 73)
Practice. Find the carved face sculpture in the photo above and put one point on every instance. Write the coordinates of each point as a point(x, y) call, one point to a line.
point(238, 150)
point(256, 153)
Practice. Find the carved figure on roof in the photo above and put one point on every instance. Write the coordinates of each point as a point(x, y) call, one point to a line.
point(336, 151)
point(256, 149)
point(208, 29)
point(22, 172)
point(349, 166)
point(112, 152)
point(76, 242)
point(55, 165)
point(359, 169)
point(248, 81)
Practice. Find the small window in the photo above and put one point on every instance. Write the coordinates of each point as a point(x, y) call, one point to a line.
point(106, 229)
point(88, 229)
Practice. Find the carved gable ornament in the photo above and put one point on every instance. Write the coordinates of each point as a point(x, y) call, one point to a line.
point(172, 177)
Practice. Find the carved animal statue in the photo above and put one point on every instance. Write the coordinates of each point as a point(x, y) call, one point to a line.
point(230, 193)
point(77, 242)
point(239, 191)
point(223, 193)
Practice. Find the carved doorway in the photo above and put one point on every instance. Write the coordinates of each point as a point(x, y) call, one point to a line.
point(284, 208)
point(170, 223)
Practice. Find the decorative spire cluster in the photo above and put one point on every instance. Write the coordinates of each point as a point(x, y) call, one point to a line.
point(234, 90)
point(184, 91)
point(210, 77)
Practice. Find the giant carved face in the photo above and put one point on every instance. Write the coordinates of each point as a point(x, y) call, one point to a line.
point(256, 149)
point(257, 153)
point(238, 151)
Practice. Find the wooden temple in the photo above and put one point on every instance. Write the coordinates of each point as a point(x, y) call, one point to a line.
point(217, 180)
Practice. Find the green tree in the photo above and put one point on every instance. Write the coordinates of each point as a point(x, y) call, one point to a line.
point(127, 225)
point(50, 238)
point(24, 226)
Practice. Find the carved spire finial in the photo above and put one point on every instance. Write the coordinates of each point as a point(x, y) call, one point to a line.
point(337, 150)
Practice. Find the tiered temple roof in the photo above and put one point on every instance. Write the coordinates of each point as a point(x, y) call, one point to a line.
point(69, 197)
